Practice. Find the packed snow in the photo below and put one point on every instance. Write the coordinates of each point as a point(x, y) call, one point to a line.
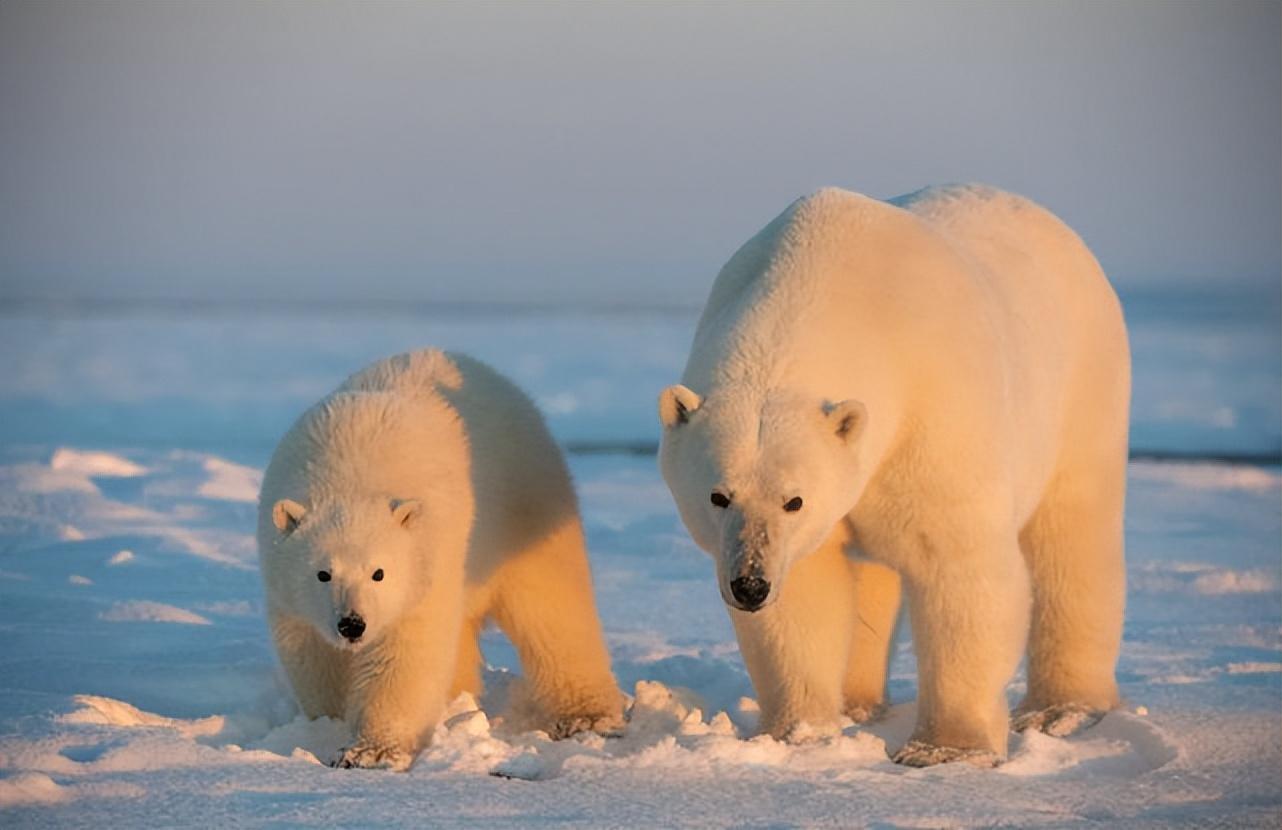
point(139, 686)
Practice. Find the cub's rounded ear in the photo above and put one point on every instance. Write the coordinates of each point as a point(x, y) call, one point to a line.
point(406, 511)
point(847, 419)
point(677, 404)
point(286, 514)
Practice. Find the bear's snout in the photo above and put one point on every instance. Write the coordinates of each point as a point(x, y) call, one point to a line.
point(749, 591)
point(351, 627)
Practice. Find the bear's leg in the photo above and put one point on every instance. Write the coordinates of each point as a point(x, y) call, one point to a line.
point(399, 686)
point(544, 603)
point(317, 671)
point(968, 604)
point(467, 674)
point(876, 592)
point(1074, 549)
point(796, 648)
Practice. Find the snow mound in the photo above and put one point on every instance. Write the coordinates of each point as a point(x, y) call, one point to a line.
point(79, 496)
point(31, 788)
point(105, 711)
point(230, 482)
point(34, 788)
point(1203, 579)
point(139, 610)
point(43, 479)
point(1220, 581)
point(87, 463)
point(1254, 668)
point(1207, 475)
point(1121, 745)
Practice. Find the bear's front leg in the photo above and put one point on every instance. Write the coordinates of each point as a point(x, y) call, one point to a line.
point(796, 649)
point(969, 611)
point(398, 694)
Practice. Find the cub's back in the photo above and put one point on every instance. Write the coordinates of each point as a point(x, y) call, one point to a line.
point(521, 485)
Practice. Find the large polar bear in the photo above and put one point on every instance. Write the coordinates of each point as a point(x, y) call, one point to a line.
point(421, 498)
point(933, 389)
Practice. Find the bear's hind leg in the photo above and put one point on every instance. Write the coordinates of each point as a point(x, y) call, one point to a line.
point(544, 604)
point(1074, 549)
point(876, 608)
point(467, 672)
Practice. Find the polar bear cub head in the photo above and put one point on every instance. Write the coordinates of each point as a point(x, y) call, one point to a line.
point(350, 568)
point(759, 480)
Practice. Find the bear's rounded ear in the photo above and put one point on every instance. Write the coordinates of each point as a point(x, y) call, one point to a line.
point(286, 514)
point(847, 419)
point(405, 511)
point(677, 404)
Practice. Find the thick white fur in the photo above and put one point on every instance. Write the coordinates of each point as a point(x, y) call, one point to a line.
point(437, 470)
point(988, 457)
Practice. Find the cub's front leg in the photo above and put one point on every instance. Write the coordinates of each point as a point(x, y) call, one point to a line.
point(317, 670)
point(397, 694)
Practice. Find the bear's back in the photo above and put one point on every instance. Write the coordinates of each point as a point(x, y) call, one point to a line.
point(1047, 288)
point(913, 267)
point(1013, 239)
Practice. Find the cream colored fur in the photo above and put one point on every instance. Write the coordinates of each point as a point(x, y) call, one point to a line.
point(438, 471)
point(944, 380)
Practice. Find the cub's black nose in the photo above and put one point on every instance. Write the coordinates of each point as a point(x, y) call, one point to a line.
point(351, 627)
point(750, 591)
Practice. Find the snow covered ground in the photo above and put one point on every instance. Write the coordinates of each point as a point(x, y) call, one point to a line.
point(137, 684)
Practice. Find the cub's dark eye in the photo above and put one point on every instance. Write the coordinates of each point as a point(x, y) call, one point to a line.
point(323, 576)
point(720, 499)
point(378, 575)
point(793, 505)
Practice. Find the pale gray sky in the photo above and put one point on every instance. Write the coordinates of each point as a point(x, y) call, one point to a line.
point(605, 152)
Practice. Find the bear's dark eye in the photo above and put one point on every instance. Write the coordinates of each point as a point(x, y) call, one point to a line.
point(323, 576)
point(720, 499)
point(378, 575)
point(793, 505)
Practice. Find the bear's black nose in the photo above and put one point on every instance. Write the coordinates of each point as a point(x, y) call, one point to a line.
point(351, 627)
point(750, 591)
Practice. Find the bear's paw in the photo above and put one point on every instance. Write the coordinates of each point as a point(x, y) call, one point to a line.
point(566, 726)
point(372, 756)
point(1058, 721)
point(922, 754)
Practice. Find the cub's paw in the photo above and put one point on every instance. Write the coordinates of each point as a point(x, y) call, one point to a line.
point(922, 754)
point(806, 731)
point(1058, 721)
point(566, 726)
point(371, 756)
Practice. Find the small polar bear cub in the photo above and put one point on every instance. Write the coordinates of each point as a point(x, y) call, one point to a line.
point(420, 499)
point(927, 394)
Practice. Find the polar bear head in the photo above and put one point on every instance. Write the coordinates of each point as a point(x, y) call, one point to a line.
point(351, 568)
point(759, 480)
